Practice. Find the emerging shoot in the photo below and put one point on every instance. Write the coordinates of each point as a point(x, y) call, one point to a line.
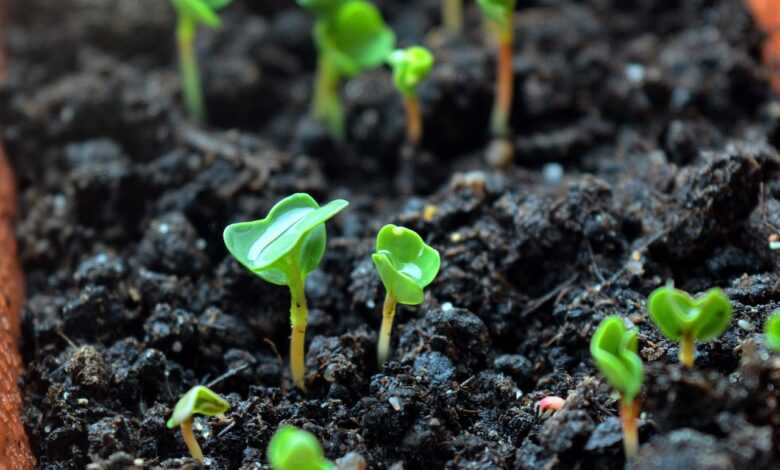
point(499, 13)
point(613, 348)
point(772, 332)
point(198, 400)
point(351, 37)
point(452, 16)
point(682, 318)
point(406, 265)
point(283, 249)
point(190, 14)
point(295, 449)
point(410, 67)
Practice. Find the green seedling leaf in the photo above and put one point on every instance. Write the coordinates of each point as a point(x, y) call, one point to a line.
point(293, 232)
point(499, 11)
point(355, 38)
point(405, 263)
point(613, 348)
point(202, 11)
point(294, 449)
point(410, 67)
point(677, 314)
point(772, 331)
point(198, 400)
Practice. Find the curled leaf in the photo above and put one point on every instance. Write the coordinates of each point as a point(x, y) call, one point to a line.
point(406, 264)
point(613, 348)
point(199, 400)
point(291, 238)
point(676, 313)
point(410, 67)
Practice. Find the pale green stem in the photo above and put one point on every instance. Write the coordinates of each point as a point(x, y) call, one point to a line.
point(452, 15)
point(327, 107)
point(388, 313)
point(299, 315)
point(190, 75)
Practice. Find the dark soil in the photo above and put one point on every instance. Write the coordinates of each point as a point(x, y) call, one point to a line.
point(657, 112)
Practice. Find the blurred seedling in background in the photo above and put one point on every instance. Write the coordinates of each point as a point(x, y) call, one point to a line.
point(499, 14)
point(772, 331)
point(192, 13)
point(283, 249)
point(613, 348)
point(351, 37)
point(410, 67)
point(686, 320)
point(406, 265)
point(295, 449)
point(199, 400)
point(452, 16)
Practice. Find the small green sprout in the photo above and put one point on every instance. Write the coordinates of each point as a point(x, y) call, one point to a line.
point(452, 16)
point(198, 400)
point(772, 331)
point(410, 67)
point(191, 13)
point(283, 249)
point(613, 348)
point(351, 38)
point(682, 318)
point(406, 265)
point(499, 13)
point(295, 449)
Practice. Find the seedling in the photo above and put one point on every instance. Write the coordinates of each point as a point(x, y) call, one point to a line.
point(295, 449)
point(682, 318)
point(191, 13)
point(283, 249)
point(406, 265)
point(499, 13)
point(198, 400)
point(410, 67)
point(772, 331)
point(351, 37)
point(452, 16)
point(613, 348)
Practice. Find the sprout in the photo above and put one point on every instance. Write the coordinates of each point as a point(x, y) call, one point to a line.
point(295, 449)
point(191, 13)
point(410, 67)
point(283, 249)
point(198, 400)
point(499, 13)
point(613, 348)
point(682, 318)
point(549, 405)
point(351, 37)
point(452, 16)
point(406, 266)
point(772, 331)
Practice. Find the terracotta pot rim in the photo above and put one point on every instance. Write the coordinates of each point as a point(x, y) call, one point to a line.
point(15, 450)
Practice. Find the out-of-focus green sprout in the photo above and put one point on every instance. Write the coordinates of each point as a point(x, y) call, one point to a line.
point(295, 449)
point(499, 13)
point(191, 13)
point(351, 37)
point(410, 67)
point(613, 348)
point(772, 331)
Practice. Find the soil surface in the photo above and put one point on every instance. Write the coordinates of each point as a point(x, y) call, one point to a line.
point(645, 136)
